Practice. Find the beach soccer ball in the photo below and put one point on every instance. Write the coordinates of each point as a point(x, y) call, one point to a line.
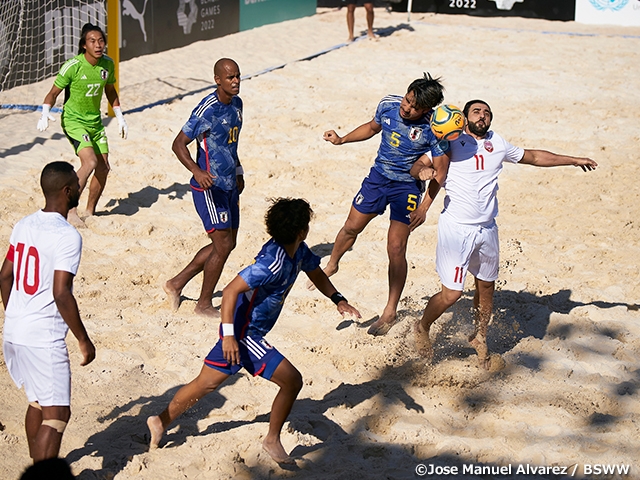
point(447, 122)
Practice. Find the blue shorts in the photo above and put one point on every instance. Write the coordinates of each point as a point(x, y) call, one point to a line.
point(218, 209)
point(378, 191)
point(256, 356)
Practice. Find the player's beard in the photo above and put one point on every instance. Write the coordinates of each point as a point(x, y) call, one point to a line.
point(477, 130)
point(74, 200)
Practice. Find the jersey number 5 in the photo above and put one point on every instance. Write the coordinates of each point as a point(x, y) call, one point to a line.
point(394, 141)
point(30, 264)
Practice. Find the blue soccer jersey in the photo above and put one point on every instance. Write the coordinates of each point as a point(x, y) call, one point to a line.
point(270, 277)
point(403, 141)
point(216, 126)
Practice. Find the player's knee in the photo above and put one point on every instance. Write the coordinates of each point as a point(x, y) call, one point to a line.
point(296, 384)
point(450, 296)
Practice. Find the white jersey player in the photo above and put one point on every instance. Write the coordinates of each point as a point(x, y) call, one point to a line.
point(467, 231)
point(36, 284)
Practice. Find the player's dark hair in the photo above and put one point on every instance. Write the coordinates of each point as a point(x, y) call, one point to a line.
point(428, 91)
point(287, 218)
point(50, 468)
point(86, 28)
point(55, 176)
point(467, 106)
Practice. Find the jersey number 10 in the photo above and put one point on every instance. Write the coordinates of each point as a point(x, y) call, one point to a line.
point(23, 269)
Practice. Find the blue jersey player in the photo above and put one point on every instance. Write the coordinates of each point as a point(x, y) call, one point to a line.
point(251, 304)
point(216, 184)
point(406, 137)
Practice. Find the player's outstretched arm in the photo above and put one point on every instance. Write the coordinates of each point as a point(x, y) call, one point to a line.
point(66, 303)
point(543, 158)
point(363, 132)
point(324, 285)
point(6, 281)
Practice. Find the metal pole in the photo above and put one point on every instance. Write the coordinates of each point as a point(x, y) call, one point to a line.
point(113, 40)
point(409, 5)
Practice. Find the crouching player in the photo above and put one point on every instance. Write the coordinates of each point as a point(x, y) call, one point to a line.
point(251, 304)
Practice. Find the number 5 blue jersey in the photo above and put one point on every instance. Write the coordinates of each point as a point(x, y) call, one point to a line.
point(270, 279)
point(216, 126)
point(403, 141)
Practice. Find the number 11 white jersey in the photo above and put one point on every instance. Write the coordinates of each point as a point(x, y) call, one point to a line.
point(472, 180)
point(40, 244)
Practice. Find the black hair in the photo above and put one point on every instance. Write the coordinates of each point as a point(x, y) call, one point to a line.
point(86, 28)
point(428, 91)
point(55, 176)
point(51, 468)
point(467, 106)
point(287, 218)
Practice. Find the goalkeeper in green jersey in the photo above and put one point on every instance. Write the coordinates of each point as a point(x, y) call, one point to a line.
point(83, 79)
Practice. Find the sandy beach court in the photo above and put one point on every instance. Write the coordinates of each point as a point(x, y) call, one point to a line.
point(567, 320)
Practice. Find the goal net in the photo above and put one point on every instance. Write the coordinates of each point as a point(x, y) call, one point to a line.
point(38, 36)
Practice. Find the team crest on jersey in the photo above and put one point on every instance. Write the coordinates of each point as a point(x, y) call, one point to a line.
point(104, 74)
point(488, 146)
point(239, 115)
point(359, 199)
point(415, 133)
point(265, 344)
point(85, 137)
point(224, 217)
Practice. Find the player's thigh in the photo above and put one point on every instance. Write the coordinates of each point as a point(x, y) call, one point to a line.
point(81, 136)
point(371, 199)
point(257, 357)
point(218, 209)
point(403, 198)
point(357, 221)
point(453, 252)
point(286, 375)
point(485, 261)
point(397, 237)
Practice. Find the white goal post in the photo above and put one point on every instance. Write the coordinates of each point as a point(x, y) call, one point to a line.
point(38, 36)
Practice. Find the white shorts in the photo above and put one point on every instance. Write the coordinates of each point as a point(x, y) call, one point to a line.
point(45, 373)
point(463, 247)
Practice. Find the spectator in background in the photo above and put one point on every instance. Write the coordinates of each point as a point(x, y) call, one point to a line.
point(351, 8)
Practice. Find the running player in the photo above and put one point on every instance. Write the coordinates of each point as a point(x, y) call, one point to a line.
point(406, 136)
point(84, 78)
point(216, 184)
point(36, 283)
point(467, 230)
point(251, 304)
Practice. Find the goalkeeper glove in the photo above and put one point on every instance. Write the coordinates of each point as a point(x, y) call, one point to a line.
point(43, 123)
point(122, 125)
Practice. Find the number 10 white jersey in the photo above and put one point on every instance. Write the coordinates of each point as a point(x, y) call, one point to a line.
point(40, 244)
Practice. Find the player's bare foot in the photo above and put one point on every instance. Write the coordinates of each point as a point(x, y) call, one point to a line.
point(75, 220)
point(156, 430)
point(276, 451)
point(479, 343)
point(423, 342)
point(209, 311)
point(382, 325)
point(328, 270)
point(173, 295)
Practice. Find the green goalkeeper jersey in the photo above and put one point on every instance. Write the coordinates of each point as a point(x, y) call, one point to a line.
point(83, 84)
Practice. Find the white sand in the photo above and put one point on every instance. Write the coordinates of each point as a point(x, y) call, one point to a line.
point(566, 307)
